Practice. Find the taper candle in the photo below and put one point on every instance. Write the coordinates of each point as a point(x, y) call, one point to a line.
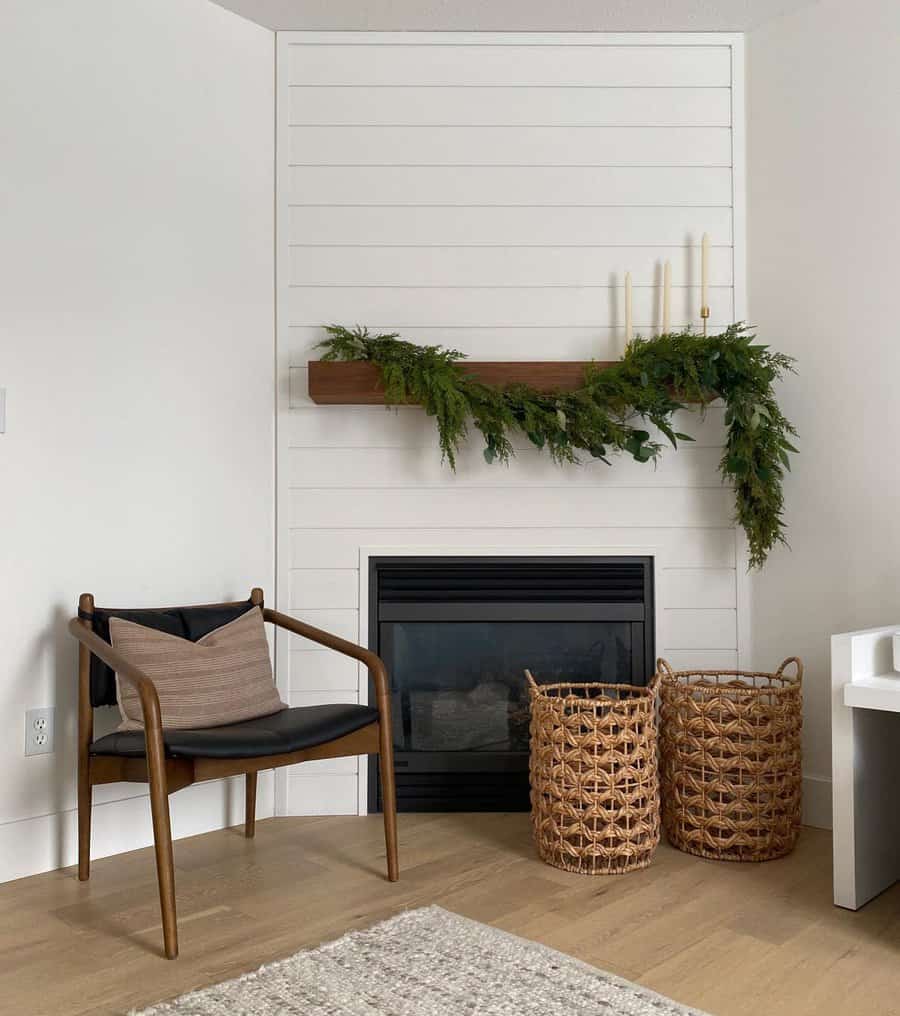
point(704, 271)
point(629, 319)
point(667, 297)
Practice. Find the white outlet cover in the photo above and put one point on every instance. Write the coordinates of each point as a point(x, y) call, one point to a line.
point(39, 728)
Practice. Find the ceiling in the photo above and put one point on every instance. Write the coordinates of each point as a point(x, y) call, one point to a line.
point(515, 15)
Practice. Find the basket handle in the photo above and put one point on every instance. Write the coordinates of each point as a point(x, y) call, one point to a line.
point(532, 684)
point(786, 663)
point(664, 668)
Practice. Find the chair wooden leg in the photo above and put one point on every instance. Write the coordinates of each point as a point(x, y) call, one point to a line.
point(389, 800)
point(165, 861)
point(250, 806)
point(85, 736)
point(85, 800)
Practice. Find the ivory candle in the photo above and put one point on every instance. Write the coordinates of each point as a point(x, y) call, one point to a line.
point(629, 318)
point(667, 297)
point(704, 272)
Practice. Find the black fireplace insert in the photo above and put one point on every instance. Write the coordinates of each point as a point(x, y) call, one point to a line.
point(457, 633)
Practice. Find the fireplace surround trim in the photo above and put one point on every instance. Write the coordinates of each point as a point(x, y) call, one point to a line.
point(656, 553)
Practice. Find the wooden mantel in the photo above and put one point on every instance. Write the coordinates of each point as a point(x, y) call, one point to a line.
point(358, 382)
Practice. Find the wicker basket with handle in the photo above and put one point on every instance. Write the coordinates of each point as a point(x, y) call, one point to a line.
point(594, 775)
point(730, 766)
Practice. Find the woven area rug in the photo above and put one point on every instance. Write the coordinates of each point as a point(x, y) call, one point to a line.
point(425, 962)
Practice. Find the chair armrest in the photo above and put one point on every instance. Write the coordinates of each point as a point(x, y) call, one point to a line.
point(125, 670)
point(372, 660)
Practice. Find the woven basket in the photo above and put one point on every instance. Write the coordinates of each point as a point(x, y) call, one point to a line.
point(594, 776)
point(730, 768)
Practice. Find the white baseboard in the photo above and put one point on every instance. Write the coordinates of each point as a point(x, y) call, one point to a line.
point(47, 842)
point(817, 801)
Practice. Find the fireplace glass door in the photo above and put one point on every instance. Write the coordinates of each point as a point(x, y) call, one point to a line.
point(460, 685)
point(457, 635)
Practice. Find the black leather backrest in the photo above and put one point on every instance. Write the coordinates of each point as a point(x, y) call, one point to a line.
point(186, 622)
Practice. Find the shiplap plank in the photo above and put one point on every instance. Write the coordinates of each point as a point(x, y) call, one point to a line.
point(503, 185)
point(700, 629)
point(326, 766)
point(408, 467)
point(321, 793)
point(343, 623)
point(683, 107)
point(434, 226)
point(499, 266)
point(324, 669)
point(374, 427)
point(600, 342)
point(462, 63)
point(703, 588)
point(323, 589)
point(329, 587)
point(410, 307)
point(441, 507)
point(509, 146)
point(322, 698)
point(683, 548)
point(700, 659)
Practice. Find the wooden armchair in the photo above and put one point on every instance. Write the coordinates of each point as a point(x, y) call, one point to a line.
point(172, 759)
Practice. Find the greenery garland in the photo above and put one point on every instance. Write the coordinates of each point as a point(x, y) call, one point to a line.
point(654, 378)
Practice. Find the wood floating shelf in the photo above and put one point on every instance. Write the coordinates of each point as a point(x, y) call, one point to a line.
point(358, 382)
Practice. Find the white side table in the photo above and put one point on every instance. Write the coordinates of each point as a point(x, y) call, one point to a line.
point(865, 765)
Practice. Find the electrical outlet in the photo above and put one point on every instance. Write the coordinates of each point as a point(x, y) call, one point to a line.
point(39, 724)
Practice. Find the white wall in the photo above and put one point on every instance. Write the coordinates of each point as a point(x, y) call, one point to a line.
point(488, 192)
point(136, 347)
point(824, 216)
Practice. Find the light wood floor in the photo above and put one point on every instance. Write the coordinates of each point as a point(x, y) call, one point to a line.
point(734, 940)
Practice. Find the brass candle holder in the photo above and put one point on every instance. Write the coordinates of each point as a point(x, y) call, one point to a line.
point(704, 313)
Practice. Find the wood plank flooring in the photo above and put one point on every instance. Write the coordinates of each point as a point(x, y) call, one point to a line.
point(731, 939)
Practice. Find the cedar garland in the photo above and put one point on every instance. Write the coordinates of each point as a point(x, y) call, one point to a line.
point(610, 413)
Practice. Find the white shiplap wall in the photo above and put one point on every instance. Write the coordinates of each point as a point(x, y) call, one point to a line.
point(488, 192)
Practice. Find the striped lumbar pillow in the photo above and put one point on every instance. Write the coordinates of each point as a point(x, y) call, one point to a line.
point(224, 677)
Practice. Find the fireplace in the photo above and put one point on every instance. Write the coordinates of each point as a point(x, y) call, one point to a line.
point(457, 633)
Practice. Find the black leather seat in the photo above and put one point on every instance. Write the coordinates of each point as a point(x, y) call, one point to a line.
point(285, 731)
